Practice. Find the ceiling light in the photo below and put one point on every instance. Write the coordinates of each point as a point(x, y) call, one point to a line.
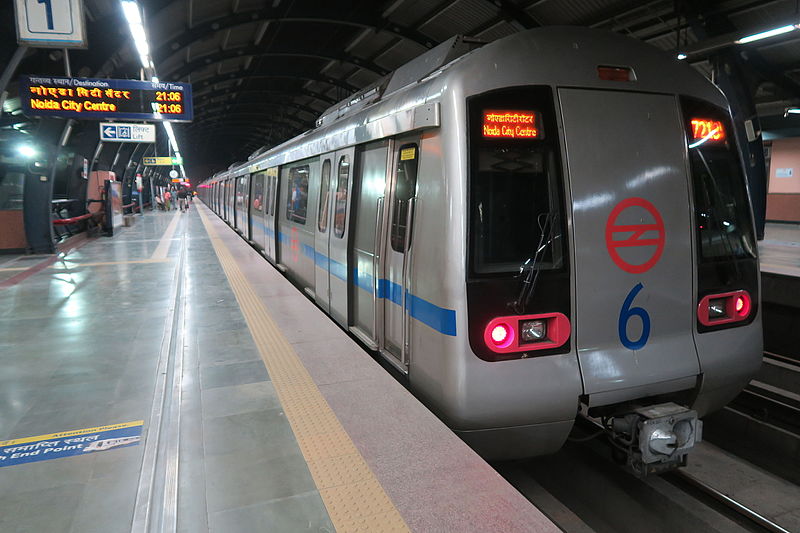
point(26, 150)
point(681, 56)
point(792, 111)
point(766, 34)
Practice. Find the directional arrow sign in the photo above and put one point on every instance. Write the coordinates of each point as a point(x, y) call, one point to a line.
point(127, 133)
point(162, 161)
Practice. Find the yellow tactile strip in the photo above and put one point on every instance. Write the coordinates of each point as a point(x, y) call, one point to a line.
point(354, 498)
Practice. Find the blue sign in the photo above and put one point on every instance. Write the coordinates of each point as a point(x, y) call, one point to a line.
point(68, 443)
point(85, 98)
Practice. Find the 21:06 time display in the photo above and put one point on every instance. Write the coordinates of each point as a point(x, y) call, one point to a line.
point(175, 109)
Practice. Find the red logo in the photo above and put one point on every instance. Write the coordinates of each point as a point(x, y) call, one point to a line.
point(632, 235)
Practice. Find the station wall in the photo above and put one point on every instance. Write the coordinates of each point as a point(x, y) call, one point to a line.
point(783, 194)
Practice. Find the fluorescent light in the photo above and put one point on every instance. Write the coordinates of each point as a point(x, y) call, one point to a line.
point(766, 34)
point(26, 150)
point(681, 56)
point(155, 79)
point(704, 139)
point(793, 111)
point(134, 18)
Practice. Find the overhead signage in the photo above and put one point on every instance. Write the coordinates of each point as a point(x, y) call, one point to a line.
point(103, 99)
point(68, 443)
point(162, 161)
point(505, 124)
point(50, 23)
point(127, 133)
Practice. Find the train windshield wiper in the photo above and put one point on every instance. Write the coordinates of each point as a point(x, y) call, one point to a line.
point(530, 268)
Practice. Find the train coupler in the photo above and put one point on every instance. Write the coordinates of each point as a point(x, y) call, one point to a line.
point(656, 438)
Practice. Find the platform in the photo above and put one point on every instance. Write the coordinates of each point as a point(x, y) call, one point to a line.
point(170, 378)
point(780, 250)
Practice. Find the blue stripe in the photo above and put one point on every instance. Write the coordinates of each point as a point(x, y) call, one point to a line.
point(438, 318)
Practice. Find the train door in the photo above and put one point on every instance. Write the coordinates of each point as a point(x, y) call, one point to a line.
point(257, 233)
point(396, 247)
point(322, 234)
point(339, 233)
point(632, 240)
point(240, 209)
point(369, 186)
point(271, 193)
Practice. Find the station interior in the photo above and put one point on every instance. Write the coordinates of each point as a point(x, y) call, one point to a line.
point(399, 265)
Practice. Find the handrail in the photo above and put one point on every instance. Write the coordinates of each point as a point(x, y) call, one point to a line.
point(71, 220)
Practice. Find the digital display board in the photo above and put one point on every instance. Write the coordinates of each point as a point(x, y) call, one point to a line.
point(102, 99)
point(507, 124)
point(707, 130)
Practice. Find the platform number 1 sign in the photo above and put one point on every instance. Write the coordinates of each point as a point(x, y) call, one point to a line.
point(50, 23)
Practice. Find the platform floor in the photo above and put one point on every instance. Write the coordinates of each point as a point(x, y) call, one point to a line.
point(780, 250)
point(255, 412)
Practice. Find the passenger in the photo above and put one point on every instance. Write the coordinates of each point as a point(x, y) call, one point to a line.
point(183, 199)
point(167, 198)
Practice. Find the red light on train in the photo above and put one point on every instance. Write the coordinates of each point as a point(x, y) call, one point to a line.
point(704, 129)
point(508, 124)
point(608, 73)
point(502, 335)
point(725, 308)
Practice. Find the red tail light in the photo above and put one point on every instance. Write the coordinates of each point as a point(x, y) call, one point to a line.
point(609, 73)
point(724, 308)
point(502, 334)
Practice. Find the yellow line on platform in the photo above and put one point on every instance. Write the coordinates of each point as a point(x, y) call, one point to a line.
point(68, 264)
point(353, 496)
point(163, 246)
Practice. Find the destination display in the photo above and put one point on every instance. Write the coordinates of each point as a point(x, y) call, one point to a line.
point(507, 124)
point(103, 99)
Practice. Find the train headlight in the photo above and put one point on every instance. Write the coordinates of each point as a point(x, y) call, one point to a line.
point(533, 330)
point(716, 308)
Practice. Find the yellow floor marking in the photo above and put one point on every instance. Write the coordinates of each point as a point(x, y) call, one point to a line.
point(163, 246)
point(354, 498)
point(68, 264)
point(14, 269)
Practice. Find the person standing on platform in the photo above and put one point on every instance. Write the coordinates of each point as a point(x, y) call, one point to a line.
point(182, 199)
point(167, 198)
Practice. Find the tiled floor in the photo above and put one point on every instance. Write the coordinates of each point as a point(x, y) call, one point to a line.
point(79, 347)
point(780, 249)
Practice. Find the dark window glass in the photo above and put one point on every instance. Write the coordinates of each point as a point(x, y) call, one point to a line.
point(342, 186)
point(405, 189)
point(325, 193)
point(297, 199)
point(258, 192)
point(11, 183)
point(515, 213)
point(722, 209)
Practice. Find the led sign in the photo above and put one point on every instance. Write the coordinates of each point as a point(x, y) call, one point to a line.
point(102, 99)
point(704, 129)
point(505, 124)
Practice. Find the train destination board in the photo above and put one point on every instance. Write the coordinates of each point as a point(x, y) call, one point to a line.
point(103, 99)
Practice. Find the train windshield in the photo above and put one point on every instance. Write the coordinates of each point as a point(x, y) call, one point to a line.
point(722, 210)
point(515, 182)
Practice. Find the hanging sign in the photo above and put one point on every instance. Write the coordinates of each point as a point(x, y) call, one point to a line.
point(162, 161)
point(127, 133)
point(104, 99)
point(50, 23)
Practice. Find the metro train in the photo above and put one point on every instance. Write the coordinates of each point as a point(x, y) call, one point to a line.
point(550, 226)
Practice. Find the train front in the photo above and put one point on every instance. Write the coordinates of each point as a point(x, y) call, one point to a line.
point(611, 262)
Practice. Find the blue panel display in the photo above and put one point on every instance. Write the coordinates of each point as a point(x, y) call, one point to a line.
point(100, 99)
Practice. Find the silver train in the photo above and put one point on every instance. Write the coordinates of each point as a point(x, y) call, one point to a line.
point(549, 226)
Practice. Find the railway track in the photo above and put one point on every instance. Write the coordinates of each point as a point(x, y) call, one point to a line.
point(583, 491)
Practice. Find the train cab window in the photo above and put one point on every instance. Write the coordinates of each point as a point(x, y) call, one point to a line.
point(342, 186)
point(258, 192)
point(405, 188)
point(515, 182)
point(297, 199)
point(324, 202)
point(722, 210)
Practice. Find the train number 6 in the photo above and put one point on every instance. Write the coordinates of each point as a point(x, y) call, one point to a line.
point(626, 313)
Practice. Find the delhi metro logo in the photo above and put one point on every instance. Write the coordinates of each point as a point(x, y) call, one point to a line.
point(650, 235)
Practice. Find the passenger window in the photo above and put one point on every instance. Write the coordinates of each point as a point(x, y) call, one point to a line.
point(405, 188)
point(258, 192)
point(297, 200)
point(342, 185)
point(322, 215)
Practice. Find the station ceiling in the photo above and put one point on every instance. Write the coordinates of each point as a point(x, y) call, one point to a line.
point(263, 71)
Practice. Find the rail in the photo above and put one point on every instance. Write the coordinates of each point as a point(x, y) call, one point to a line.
point(71, 220)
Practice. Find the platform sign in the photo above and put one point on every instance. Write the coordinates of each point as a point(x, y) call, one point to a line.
point(69, 443)
point(105, 99)
point(162, 161)
point(127, 133)
point(50, 23)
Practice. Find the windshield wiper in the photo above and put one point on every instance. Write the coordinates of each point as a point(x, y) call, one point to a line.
point(530, 268)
